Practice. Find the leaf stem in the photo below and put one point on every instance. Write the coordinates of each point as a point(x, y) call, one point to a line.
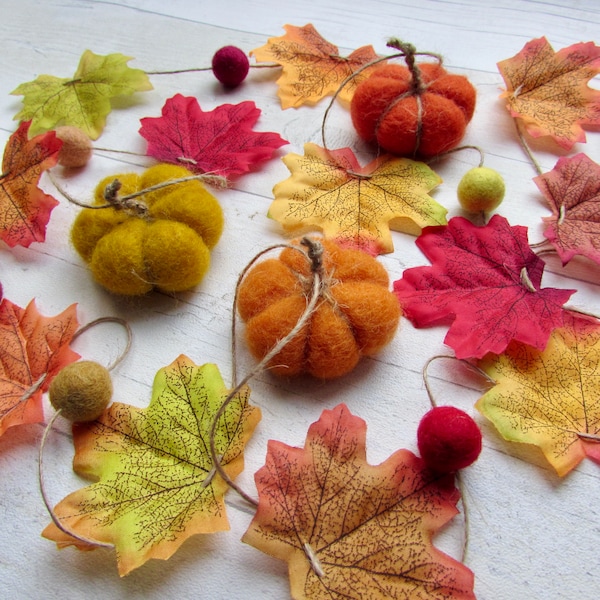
point(526, 148)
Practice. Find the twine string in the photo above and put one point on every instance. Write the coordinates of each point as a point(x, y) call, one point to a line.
point(52, 420)
point(127, 202)
point(460, 483)
point(314, 255)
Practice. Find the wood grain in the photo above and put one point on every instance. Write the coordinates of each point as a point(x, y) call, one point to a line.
point(532, 536)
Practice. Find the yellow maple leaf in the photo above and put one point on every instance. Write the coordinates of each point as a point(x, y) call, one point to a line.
point(82, 100)
point(548, 90)
point(355, 205)
point(550, 397)
point(312, 67)
point(156, 482)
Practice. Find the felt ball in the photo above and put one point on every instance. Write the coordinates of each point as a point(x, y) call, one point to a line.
point(356, 315)
point(230, 65)
point(386, 110)
point(81, 390)
point(448, 439)
point(481, 190)
point(76, 149)
point(168, 249)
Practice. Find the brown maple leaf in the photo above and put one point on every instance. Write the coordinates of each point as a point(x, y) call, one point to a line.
point(24, 208)
point(354, 205)
point(312, 67)
point(351, 530)
point(33, 349)
point(572, 190)
point(548, 90)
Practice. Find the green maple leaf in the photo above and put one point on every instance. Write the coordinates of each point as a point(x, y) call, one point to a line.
point(156, 483)
point(83, 100)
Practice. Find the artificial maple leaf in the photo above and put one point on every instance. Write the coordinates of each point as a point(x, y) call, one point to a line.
point(550, 398)
point(220, 141)
point(486, 281)
point(156, 483)
point(356, 205)
point(312, 67)
point(548, 91)
point(33, 349)
point(572, 190)
point(82, 100)
point(24, 208)
point(348, 529)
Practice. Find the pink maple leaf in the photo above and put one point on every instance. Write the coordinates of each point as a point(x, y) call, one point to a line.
point(486, 282)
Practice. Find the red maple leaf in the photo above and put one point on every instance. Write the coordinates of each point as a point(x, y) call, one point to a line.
point(348, 529)
point(24, 208)
point(572, 190)
point(33, 349)
point(486, 282)
point(220, 141)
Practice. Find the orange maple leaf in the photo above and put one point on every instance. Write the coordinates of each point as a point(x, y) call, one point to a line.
point(548, 91)
point(354, 205)
point(33, 349)
point(549, 398)
point(348, 529)
point(24, 208)
point(312, 67)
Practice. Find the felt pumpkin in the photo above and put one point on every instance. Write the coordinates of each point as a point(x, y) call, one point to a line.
point(356, 314)
point(421, 112)
point(164, 243)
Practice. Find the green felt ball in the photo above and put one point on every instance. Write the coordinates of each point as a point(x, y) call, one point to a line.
point(481, 190)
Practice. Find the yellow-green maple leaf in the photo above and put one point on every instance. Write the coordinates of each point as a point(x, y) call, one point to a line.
point(356, 205)
point(82, 100)
point(551, 397)
point(156, 484)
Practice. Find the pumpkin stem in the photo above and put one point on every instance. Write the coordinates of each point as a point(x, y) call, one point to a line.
point(410, 52)
point(315, 253)
point(133, 207)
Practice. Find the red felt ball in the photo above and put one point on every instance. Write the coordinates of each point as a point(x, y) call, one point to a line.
point(230, 66)
point(385, 109)
point(448, 439)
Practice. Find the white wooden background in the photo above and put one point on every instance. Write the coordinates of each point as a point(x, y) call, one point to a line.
point(532, 535)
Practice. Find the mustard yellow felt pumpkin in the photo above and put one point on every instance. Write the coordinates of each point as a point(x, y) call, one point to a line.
point(162, 242)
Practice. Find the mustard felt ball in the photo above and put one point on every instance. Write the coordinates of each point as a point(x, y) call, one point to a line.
point(481, 190)
point(166, 245)
point(76, 149)
point(82, 391)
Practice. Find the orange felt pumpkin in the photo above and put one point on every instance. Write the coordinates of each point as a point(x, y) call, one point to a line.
point(356, 314)
point(423, 111)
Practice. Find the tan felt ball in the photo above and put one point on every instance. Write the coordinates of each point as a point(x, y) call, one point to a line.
point(82, 390)
point(76, 150)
